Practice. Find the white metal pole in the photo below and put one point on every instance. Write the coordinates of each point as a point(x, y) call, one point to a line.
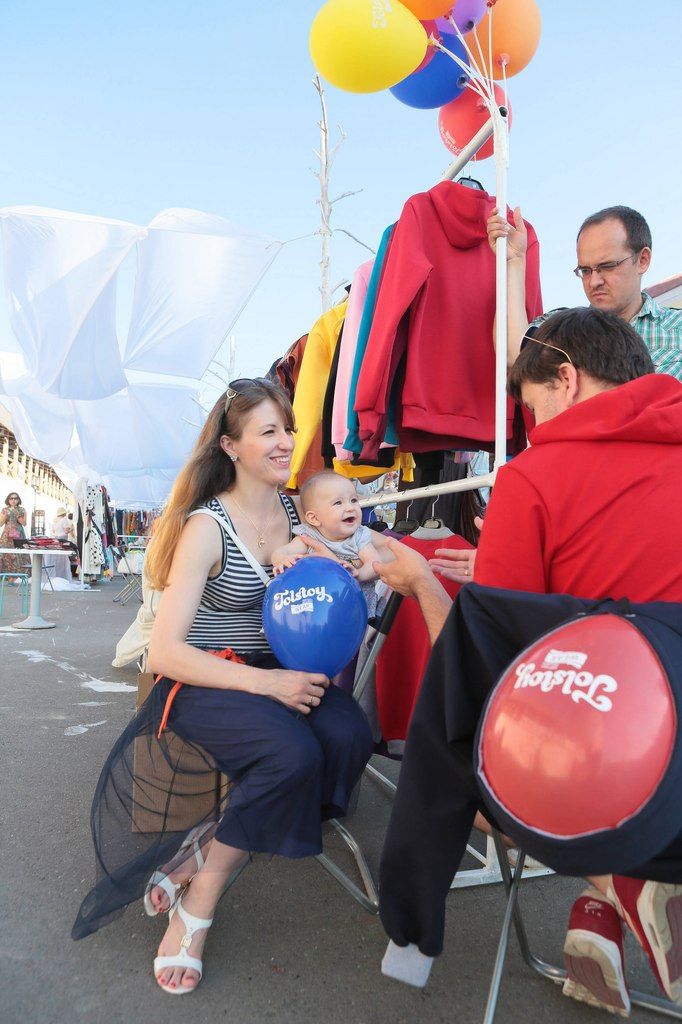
point(501, 163)
point(469, 151)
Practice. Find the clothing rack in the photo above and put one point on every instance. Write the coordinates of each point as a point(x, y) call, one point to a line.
point(497, 127)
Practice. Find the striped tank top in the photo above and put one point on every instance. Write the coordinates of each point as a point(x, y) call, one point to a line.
point(230, 609)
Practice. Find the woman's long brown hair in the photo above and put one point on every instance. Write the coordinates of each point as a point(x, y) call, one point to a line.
point(209, 470)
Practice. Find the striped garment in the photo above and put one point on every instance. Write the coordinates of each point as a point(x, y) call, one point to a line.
point(230, 609)
point(659, 327)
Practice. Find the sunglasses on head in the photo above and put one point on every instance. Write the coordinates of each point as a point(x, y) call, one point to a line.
point(530, 337)
point(233, 388)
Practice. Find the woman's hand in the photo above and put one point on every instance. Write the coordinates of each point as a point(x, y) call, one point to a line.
point(454, 564)
point(300, 691)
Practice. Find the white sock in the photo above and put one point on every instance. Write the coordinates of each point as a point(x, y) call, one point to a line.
point(406, 963)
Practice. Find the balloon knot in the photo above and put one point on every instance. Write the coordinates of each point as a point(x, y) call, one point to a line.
point(503, 59)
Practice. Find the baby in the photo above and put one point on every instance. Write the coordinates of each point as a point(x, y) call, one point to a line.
point(331, 510)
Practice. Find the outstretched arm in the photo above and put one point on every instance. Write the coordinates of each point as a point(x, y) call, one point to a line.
point(411, 576)
point(367, 555)
point(286, 556)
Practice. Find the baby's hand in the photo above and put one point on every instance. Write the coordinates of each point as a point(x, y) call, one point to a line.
point(350, 568)
point(286, 563)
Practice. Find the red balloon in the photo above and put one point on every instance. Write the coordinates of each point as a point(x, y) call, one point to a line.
point(459, 121)
point(579, 731)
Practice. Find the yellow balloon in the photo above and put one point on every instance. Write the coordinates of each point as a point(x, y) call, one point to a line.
point(366, 45)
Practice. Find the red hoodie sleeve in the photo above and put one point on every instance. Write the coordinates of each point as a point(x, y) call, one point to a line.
point(512, 553)
point(405, 271)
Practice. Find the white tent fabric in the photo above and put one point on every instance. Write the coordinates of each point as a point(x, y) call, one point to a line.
point(96, 398)
point(41, 423)
point(143, 428)
point(195, 274)
point(60, 285)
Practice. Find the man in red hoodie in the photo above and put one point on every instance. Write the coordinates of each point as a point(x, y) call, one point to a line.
point(590, 509)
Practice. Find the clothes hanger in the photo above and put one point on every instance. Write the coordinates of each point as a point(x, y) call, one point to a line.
point(470, 182)
point(406, 526)
point(432, 523)
point(432, 528)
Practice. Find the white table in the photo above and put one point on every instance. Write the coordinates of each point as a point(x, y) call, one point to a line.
point(35, 619)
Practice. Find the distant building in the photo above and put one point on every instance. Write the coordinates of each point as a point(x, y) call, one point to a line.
point(668, 292)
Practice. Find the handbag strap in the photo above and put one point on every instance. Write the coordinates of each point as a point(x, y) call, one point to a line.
point(256, 566)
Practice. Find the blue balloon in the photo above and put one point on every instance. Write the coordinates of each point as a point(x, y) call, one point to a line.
point(314, 616)
point(440, 82)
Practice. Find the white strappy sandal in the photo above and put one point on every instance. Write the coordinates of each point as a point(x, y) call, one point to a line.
point(182, 959)
point(172, 889)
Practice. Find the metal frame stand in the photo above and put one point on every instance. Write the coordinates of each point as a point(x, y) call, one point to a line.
point(546, 970)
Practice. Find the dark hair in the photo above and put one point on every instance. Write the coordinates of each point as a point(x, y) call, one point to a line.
point(12, 494)
point(600, 344)
point(209, 469)
point(637, 230)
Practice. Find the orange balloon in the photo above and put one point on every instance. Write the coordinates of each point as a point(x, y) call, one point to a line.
point(516, 26)
point(425, 9)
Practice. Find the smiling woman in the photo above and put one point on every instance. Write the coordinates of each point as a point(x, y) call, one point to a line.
point(291, 746)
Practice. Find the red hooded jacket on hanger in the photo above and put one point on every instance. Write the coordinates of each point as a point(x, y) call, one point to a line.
point(440, 276)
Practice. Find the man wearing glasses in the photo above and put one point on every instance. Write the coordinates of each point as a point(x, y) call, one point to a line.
point(614, 253)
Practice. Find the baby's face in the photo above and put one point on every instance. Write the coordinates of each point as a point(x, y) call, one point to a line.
point(335, 509)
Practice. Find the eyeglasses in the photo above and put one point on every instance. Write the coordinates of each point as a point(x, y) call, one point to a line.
point(603, 268)
point(530, 337)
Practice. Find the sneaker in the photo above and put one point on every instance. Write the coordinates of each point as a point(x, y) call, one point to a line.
point(653, 912)
point(593, 954)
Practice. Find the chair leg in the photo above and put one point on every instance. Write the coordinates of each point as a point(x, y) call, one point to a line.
point(557, 974)
point(513, 893)
point(369, 899)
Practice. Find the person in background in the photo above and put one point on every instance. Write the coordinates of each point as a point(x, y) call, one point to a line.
point(613, 254)
point(60, 525)
point(12, 523)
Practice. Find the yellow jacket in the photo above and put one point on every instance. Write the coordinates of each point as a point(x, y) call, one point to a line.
point(312, 383)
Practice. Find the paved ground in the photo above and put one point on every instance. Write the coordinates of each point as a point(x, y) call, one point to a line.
point(289, 945)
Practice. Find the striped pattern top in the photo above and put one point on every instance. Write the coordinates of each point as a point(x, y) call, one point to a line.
point(230, 609)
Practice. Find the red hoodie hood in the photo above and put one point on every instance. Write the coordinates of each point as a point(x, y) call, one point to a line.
point(463, 212)
point(648, 409)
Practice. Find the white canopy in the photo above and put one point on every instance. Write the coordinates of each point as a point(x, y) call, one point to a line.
point(107, 358)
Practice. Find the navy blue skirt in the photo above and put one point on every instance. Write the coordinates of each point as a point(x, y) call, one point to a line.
point(240, 767)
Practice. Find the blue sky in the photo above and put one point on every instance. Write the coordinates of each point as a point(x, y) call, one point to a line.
point(123, 110)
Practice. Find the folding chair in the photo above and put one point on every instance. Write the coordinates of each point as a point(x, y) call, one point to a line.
point(133, 584)
point(546, 970)
point(47, 569)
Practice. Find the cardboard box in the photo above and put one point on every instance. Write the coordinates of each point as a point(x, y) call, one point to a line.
point(196, 788)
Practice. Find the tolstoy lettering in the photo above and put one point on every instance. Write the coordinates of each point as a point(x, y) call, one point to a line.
point(380, 8)
point(579, 686)
point(283, 598)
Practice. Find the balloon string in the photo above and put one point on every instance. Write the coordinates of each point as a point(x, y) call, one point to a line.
point(472, 60)
point(476, 81)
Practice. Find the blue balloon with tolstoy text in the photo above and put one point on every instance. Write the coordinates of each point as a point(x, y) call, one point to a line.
point(314, 616)
point(439, 82)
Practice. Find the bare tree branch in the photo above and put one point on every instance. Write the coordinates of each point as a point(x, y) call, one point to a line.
point(343, 195)
point(363, 244)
